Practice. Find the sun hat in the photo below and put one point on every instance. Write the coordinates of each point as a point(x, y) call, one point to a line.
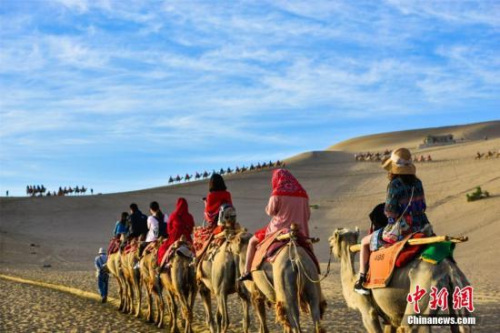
point(399, 163)
point(101, 251)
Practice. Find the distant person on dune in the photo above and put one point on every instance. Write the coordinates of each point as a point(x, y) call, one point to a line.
point(404, 207)
point(102, 274)
point(289, 203)
point(137, 223)
point(180, 223)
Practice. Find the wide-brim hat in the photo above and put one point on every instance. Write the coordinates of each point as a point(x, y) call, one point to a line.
point(101, 251)
point(400, 163)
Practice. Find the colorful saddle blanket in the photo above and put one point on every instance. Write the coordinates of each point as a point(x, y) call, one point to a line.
point(270, 247)
point(383, 261)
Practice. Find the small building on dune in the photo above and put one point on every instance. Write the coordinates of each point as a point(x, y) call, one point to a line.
point(437, 140)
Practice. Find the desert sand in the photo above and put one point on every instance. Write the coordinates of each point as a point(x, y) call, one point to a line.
point(65, 232)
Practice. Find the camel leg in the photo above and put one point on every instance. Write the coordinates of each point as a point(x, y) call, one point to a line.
point(187, 309)
point(173, 325)
point(120, 292)
point(370, 318)
point(422, 277)
point(159, 307)
point(149, 297)
point(222, 315)
point(258, 303)
point(206, 298)
point(130, 305)
point(189, 319)
point(138, 293)
point(314, 298)
point(246, 317)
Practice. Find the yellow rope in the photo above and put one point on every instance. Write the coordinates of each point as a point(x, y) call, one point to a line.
point(58, 287)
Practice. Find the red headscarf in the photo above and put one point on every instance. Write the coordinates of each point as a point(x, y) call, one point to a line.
point(182, 208)
point(285, 184)
point(180, 222)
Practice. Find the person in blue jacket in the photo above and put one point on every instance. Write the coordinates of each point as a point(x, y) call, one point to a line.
point(102, 274)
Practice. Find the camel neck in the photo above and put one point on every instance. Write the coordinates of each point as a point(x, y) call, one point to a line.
point(347, 275)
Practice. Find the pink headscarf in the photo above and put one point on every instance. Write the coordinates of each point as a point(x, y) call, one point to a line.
point(285, 184)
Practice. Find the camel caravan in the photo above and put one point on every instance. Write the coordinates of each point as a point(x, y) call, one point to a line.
point(41, 190)
point(228, 171)
point(405, 270)
point(487, 155)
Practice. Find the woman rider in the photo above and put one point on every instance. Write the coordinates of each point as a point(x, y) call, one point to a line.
point(217, 196)
point(405, 201)
point(289, 203)
point(180, 223)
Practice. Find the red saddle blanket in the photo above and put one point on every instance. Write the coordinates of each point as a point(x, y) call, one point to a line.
point(270, 247)
point(384, 261)
point(114, 245)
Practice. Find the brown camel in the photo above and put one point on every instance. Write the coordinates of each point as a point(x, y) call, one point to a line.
point(149, 273)
point(132, 282)
point(292, 280)
point(114, 266)
point(218, 275)
point(390, 303)
point(179, 283)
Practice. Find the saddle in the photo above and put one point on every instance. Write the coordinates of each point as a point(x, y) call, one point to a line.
point(384, 261)
point(131, 247)
point(180, 246)
point(274, 243)
point(114, 245)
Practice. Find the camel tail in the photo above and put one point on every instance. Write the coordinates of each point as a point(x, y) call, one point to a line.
point(287, 295)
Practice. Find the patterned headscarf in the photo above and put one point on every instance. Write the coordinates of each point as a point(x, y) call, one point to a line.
point(285, 184)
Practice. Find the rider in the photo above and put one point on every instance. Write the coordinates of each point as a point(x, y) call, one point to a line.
point(217, 196)
point(121, 229)
point(137, 223)
point(155, 220)
point(180, 223)
point(405, 200)
point(289, 203)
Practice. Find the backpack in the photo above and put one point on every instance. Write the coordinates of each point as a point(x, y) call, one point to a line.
point(144, 224)
point(378, 218)
point(162, 226)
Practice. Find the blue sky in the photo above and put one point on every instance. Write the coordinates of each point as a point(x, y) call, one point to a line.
point(119, 95)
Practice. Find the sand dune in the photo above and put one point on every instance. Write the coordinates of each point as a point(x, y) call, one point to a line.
point(67, 231)
point(412, 138)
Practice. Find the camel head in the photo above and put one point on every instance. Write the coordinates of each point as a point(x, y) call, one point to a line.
point(240, 241)
point(343, 238)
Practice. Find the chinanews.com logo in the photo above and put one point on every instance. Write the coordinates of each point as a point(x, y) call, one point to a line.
point(462, 305)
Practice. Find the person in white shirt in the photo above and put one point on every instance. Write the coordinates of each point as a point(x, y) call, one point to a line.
point(157, 225)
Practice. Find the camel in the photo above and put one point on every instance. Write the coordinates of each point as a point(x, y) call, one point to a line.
point(149, 272)
point(390, 303)
point(179, 283)
point(114, 266)
point(291, 280)
point(218, 275)
point(132, 282)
